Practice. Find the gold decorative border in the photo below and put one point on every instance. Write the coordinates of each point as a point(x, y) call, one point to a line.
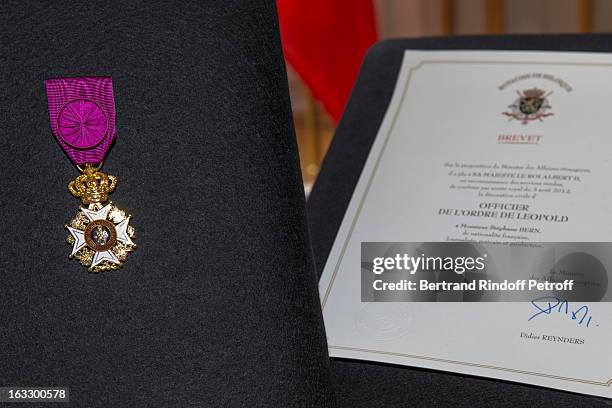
point(490, 367)
point(367, 189)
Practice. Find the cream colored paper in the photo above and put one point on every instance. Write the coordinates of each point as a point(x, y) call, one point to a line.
point(452, 115)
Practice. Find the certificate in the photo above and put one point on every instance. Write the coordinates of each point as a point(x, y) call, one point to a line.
point(468, 139)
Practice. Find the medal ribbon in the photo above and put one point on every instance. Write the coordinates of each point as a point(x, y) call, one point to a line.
point(82, 113)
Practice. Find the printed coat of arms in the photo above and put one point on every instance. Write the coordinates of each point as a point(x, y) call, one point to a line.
point(531, 104)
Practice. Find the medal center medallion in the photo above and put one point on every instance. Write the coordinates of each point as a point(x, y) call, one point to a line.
point(100, 235)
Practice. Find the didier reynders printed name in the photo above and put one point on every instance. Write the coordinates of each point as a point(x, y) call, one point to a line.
point(459, 265)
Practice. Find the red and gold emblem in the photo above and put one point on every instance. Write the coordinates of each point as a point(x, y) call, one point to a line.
point(531, 104)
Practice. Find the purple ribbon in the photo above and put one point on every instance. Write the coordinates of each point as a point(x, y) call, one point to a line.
point(82, 113)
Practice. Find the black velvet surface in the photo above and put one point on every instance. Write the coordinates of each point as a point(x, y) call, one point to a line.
point(373, 385)
point(218, 306)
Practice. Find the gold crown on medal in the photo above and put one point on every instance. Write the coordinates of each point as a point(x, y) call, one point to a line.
point(534, 93)
point(93, 186)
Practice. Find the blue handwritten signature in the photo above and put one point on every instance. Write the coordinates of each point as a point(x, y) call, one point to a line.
point(548, 304)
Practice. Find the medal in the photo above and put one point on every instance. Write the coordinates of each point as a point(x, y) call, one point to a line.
point(82, 113)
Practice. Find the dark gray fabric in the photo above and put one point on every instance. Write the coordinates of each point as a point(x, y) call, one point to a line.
point(377, 385)
point(219, 305)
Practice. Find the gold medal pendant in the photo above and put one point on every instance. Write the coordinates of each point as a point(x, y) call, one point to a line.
point(82, 114)
point(100, 234)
